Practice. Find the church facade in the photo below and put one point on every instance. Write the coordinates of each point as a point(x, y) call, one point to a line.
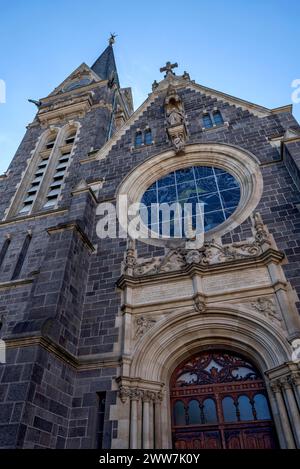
point(113, 342)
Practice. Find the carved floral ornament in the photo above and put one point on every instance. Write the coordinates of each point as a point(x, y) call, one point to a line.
point(211, 253)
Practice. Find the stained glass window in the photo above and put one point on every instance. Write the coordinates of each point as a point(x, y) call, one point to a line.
point(216, 189)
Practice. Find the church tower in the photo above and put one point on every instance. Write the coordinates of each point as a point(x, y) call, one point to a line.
point(157, 342)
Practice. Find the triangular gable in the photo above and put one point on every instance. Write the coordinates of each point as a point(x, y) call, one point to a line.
point(82, 70)
point(180, 82)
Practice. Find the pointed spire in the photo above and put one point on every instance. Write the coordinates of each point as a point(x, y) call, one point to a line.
point(105, 65)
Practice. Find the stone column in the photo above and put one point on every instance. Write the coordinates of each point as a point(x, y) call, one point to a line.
point(157, 419)
point(293, 408)
point(151, 421)
point(146, 420)
point(295, 378)
point(135, 397)
point(283, 416)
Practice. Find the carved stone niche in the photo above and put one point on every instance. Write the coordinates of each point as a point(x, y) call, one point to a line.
point(175, 119)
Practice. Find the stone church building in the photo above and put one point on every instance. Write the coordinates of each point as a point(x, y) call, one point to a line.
point(113, 342)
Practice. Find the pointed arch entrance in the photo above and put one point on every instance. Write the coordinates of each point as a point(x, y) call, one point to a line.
point(219, 400)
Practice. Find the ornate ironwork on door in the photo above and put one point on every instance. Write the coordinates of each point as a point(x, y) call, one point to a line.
point(219, 400)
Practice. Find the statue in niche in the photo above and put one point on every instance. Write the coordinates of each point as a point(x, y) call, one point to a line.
point(175, 118)
point(174, 115)
point(174, 108)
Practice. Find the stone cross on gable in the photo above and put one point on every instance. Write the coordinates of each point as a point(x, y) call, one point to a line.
point(169, 68)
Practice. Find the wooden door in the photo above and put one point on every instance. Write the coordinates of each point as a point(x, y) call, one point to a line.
point(219, 400)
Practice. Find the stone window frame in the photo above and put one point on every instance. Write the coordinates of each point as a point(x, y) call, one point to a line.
point(37, 156)
point(242, 164)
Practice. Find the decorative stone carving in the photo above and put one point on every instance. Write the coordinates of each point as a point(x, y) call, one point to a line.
point(175, 118)
point(137, 394)
point(124, 393)
point(130, 259)
point(285, 382)
point(275, 386)
point(210, 253)
point(154, 85)
point(261, 233)
point(295, 379)
point(266, 306)
point(143, 325)
point(178, 139)
point(200, 305)
point(119, 117)
point(172, 261)
point(296, 350)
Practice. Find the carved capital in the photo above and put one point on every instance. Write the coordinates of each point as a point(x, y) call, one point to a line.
point(286, 382)
point(137, 394)
point(124, 393)
point(295, 379)
point(275, 386)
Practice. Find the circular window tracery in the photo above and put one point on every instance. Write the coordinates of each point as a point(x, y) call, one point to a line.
point(239, 163)
point(215, 188)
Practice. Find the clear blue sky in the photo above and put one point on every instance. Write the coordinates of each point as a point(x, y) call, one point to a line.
point(249, 49)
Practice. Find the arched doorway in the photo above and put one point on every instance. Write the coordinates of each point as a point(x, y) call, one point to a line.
point(219, 400)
